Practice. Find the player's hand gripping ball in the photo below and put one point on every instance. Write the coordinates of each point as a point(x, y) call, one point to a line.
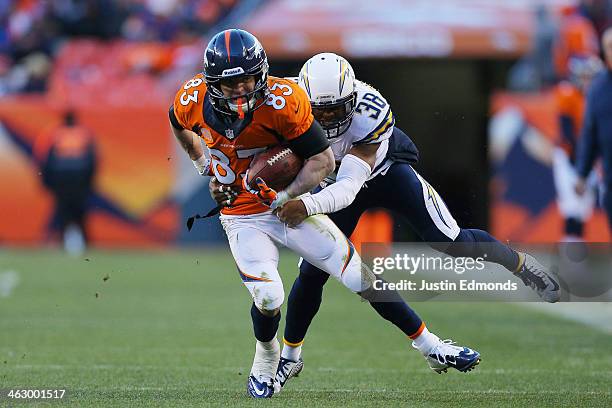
point(270, 173)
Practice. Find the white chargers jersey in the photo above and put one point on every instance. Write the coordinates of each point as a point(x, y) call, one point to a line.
point(372, 124)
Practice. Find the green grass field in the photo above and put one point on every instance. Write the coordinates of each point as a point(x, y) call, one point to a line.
point(172, 329)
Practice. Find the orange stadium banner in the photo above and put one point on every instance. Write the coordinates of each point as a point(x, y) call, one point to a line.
point(397, 28)
point(131, 203)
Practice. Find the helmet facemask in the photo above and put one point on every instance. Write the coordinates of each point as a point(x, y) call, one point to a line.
point(335, 117)
point(243, 104)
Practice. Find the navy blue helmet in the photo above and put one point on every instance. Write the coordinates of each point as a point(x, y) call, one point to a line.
point(230, 54)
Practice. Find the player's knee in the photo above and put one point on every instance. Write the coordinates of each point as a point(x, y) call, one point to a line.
point(269, 313)
point(357, 277)
point(268, 296)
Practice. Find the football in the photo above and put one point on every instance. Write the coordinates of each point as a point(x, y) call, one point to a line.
point(277, 166)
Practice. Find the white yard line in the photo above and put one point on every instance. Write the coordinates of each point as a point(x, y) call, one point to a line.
point(8, 282)
point(592, 314)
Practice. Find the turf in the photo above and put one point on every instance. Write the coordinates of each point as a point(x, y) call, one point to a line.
point(172, 329)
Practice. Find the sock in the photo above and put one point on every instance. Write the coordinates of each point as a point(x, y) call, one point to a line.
point(468, 244)
point(266, 358)
point(267, 346)
point(390, 306)
point(400, 314)
point(425, 340)
point(264, 327)
point(291, 351)
point(302, 304)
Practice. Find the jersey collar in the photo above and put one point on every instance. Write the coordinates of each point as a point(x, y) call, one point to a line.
point(229, 131)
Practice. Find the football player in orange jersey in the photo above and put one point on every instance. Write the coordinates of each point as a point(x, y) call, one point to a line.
point(570, 101)
point(239, 111)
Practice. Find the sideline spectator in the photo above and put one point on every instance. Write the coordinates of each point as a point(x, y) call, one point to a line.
point(596, 139)
point(68, 162)
point(570, 101)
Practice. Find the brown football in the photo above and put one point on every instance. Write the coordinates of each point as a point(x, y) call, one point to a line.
point(277, 166)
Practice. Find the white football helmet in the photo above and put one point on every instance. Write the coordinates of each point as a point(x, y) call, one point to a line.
point(329, 81)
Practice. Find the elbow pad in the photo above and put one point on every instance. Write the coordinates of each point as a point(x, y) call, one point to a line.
point(353, 172)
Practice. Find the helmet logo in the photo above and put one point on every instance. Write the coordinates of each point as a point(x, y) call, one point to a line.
point(258, 49)
point(304, 77)
point(343, 72)
point(232, 72)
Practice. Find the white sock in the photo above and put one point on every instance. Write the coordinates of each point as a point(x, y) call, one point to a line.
point(426, 341)
point(292, 353)
point(267, 354)
point(267, 346)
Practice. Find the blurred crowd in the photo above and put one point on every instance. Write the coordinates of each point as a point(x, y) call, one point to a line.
point(31, 31)
point(557, 38)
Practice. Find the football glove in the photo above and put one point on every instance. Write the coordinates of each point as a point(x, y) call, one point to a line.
point(265, 194)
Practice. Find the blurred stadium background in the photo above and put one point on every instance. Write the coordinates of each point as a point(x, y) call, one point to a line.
point(445, 66)
point(113, 324)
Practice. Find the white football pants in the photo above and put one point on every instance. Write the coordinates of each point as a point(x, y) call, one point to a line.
point(254, 241)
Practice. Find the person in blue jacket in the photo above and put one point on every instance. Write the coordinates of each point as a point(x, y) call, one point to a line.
point(596, 140)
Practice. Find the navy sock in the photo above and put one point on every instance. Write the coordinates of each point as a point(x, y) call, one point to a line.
point(264, 327)
point(390, 306)
point(302, 305)
point(496, 251)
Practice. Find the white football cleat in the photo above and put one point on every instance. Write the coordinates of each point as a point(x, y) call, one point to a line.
point(287, 369)
point(534, 275)
point(445, 354)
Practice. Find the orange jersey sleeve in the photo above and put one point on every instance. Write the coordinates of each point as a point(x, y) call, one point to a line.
point(293, 112)
point(188, 102)
point(570, 102)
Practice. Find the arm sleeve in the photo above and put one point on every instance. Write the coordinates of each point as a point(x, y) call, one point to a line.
point(353, 172)
point(311, 142)
point(587, 145)
point(173, 120)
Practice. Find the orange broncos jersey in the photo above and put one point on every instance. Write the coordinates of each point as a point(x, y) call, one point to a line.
point(570, 103)
point(285, 116)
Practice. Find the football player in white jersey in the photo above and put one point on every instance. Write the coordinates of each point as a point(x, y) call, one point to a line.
point(360, 125)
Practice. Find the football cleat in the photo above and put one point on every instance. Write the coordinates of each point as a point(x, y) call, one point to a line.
point(287, 369)
point(445, 354)
point(260, 387)
point(261, 379)
point(534, 275)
